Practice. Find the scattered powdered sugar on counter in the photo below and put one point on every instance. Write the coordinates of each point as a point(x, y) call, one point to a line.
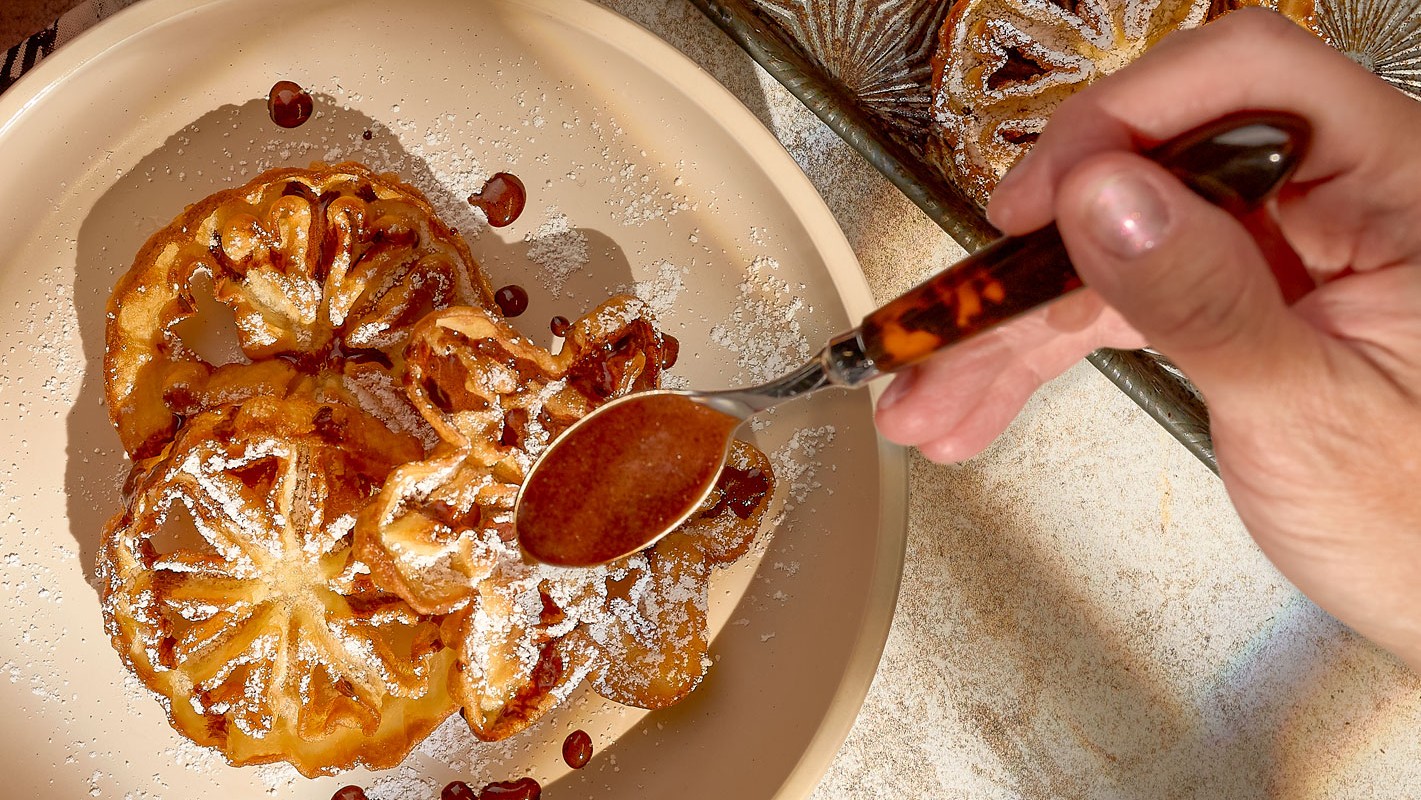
point(762, 329)
point(559, 249)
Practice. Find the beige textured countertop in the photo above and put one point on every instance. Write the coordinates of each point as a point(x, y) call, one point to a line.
point(1082, 613)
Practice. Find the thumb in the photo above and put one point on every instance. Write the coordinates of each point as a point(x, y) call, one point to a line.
point(1183, 272)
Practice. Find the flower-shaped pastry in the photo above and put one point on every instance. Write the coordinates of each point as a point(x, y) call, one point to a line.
point(229, 589)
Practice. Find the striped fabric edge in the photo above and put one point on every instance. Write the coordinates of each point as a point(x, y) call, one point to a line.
point(24, 56)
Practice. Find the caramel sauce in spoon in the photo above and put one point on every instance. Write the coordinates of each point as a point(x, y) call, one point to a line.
point(643, 463)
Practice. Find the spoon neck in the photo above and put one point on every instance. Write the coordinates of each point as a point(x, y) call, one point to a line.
point(807, 378)
point(845, 360)
point(842, 362)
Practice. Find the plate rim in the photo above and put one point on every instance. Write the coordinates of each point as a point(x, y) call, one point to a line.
point(840, 261)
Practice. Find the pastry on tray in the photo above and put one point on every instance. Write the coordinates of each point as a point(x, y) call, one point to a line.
point(315, 559)
point(1003, 66)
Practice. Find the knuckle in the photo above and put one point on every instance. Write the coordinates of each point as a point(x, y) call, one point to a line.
point(1204, 318)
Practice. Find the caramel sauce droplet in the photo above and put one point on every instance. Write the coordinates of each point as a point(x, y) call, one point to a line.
point(577, 749)
point(288, 104)
point(512, 300)
point(501, 199)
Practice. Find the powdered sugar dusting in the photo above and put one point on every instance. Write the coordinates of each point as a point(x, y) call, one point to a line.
point(277, 779)
point(56, 335)
point(381, 397)
point(663, 290)
point(643, 198)
point(403, 783)
point(763, 329)
point(42, 367)
point(797, 463)
point(559, 249)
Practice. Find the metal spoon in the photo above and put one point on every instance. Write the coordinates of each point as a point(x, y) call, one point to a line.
point(636, 468)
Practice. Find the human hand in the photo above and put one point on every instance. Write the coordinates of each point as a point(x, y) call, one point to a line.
point(1315, 409)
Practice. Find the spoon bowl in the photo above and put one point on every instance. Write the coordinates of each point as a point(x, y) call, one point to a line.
point(643, 462)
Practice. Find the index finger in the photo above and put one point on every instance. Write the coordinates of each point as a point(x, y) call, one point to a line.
point(1250, 59)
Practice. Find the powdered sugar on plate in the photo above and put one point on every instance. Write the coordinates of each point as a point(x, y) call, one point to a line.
point(763, 329)
point(662, 291)
point(559, 249)
point(797, 463)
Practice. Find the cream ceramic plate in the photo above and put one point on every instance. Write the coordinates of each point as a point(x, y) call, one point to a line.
point(642, 172)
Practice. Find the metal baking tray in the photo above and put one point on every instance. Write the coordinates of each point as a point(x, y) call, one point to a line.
point(864, 67)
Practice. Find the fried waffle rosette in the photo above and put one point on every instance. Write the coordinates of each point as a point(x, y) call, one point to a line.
point(229, 589)
point(1003, 66)
point(643, 634)
point(320, 268)
point(440, 533)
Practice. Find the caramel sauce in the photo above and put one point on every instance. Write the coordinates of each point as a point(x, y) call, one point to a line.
point(515, 428)
point(502, 199)
point(620, 478)
point(512, 300)
point(670, 350)
point(457, 790)
point(326, 426)
point(740, 490)
point(559, 326)
point(600, 375)
point(521, 789)
point(577, 749)
point(349, 793)
point(551, 615)
point(288, 104)
point(548, 672)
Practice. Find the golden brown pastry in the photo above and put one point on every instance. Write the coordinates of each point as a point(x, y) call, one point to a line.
point(228, 588)
point(318, 267)
point(441, 532)
point(315, 561)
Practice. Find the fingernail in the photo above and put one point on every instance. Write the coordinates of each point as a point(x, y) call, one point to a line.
point(1127, 215)
point(896, 391)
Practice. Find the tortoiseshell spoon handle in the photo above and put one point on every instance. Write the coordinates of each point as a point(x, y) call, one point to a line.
point(1236, 162)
